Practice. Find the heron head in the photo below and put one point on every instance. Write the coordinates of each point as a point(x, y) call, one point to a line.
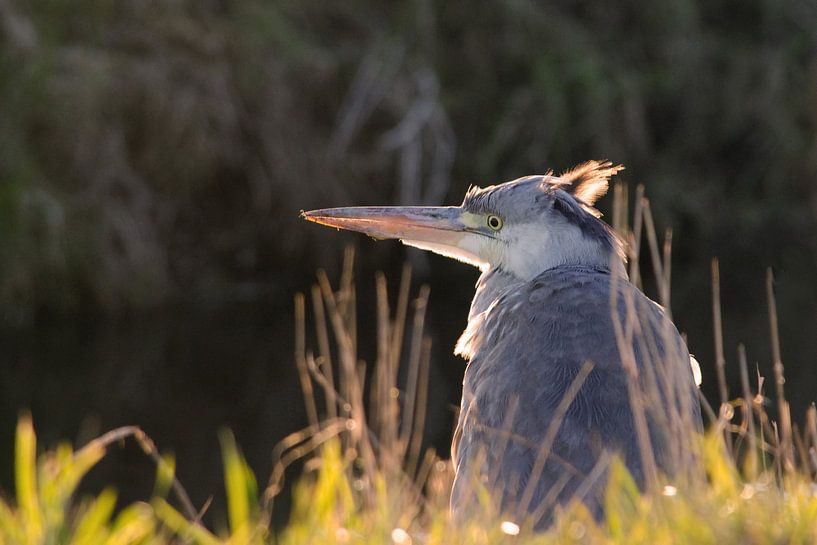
point(523, 227)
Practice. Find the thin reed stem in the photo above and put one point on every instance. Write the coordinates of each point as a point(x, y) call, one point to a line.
point(666, 279)
point(635, 238)
point(550, 435)
point(748, 413)
point(324, 351)
point(415, 355)
point(624, 340)
point(420, 404)
point(148, 447)
point(300, 360)
point(720, 359)
point(655, 253)
point(784, 415)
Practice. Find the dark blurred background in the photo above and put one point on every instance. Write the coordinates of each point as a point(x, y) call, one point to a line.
point(154, 157)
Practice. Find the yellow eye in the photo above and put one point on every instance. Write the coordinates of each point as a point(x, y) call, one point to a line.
point(494, 222)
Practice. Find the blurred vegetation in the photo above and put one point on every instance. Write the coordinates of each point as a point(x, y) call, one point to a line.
point(157, 152)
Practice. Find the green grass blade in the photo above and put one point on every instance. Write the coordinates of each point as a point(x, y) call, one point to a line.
point(26, 479)
point(240, 484)
point(92, 525)
point(181, 526)
point(165, 472)
point(135, 524)
point(11, 529)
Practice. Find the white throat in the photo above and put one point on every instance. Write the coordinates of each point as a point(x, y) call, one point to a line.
point(559, 244)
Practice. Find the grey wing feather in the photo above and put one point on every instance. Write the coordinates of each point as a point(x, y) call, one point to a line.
point(527, 349)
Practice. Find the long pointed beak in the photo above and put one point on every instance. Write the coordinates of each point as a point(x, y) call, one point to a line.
point(435, 224)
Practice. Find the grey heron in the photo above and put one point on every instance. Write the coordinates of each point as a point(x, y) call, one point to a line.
point(569, 363)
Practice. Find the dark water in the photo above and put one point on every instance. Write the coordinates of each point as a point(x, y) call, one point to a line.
point(182, 376)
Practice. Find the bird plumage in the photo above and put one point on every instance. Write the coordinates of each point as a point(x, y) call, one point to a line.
point(569, 362)
point(524, 352)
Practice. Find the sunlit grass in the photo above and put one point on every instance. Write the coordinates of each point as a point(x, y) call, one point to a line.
point(330, 507)
point(46, 510)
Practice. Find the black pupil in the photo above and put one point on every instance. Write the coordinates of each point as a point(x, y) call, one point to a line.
point(493, 222)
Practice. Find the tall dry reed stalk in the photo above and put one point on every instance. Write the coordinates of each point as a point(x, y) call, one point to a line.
point(378, 420)
point(751, 438)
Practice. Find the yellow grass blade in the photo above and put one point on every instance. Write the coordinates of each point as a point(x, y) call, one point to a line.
point(26, 479)
point(240, 484)
point(92, 526)
point(181, 526)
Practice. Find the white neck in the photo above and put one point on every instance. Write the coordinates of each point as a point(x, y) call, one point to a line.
point(560, 244)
